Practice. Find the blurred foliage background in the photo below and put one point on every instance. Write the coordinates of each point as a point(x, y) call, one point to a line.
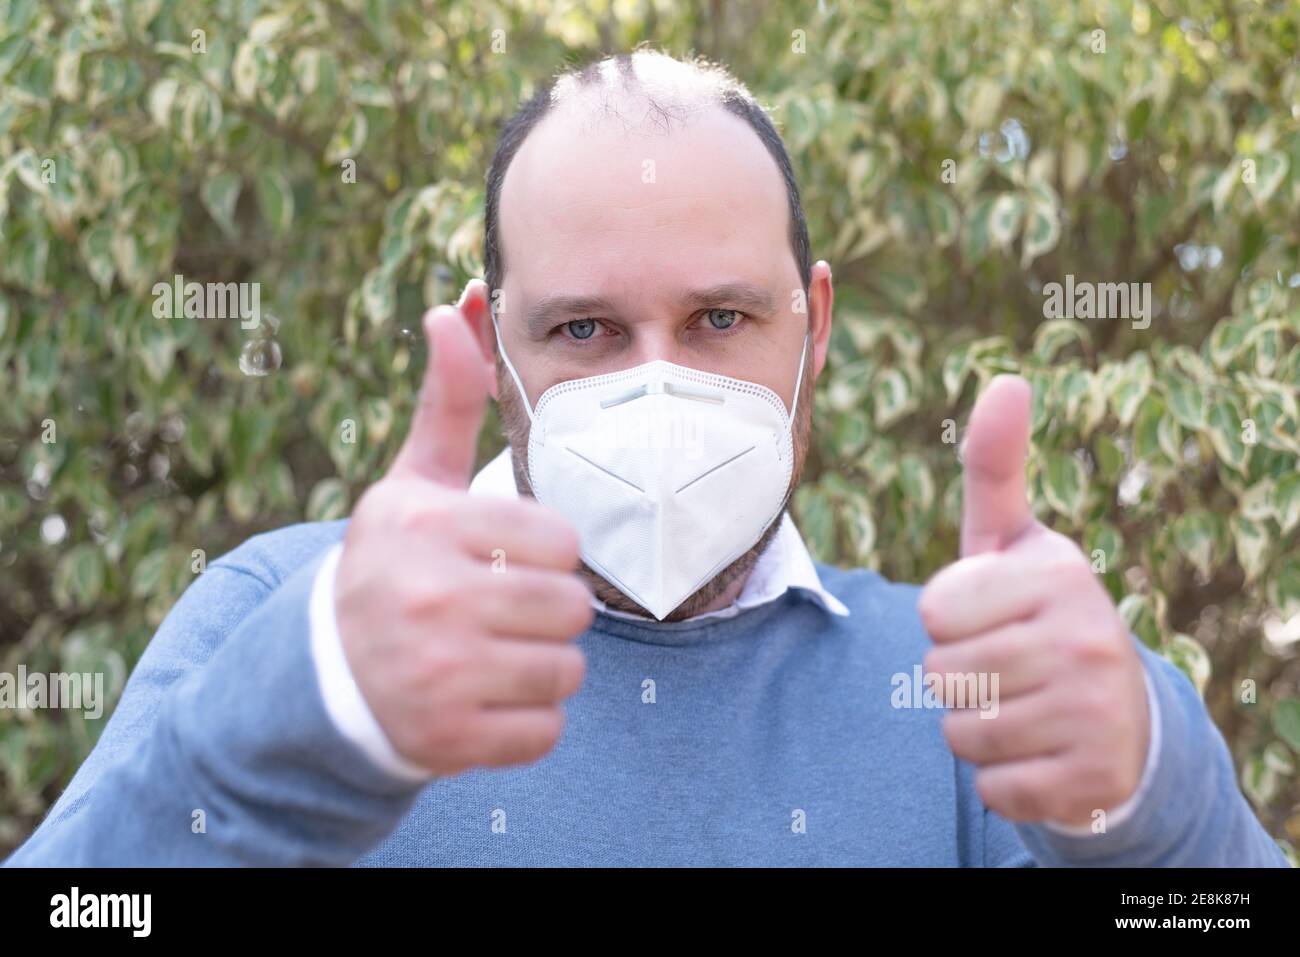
point(955, 158)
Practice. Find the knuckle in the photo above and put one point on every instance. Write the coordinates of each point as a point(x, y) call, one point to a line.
point(422, 599)
point(542, 678)
point(447, 662)
point(995, 739)
point(1085, 647)
point(445, 738)
point(430, 514)
point(1026, 796)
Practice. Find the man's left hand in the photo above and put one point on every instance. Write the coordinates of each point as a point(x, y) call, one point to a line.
point(1071, 730)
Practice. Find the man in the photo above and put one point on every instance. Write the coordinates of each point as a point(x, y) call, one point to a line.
point(442, 680)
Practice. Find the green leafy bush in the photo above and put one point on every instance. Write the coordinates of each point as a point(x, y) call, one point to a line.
point(954, 163)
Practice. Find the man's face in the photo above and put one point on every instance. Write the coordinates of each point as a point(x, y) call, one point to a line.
point(627, 247)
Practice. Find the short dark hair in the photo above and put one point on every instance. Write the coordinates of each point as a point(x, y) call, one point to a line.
point(718, 85)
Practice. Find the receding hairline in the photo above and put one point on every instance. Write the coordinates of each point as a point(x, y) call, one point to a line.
point(672, 91)
point(644, 88)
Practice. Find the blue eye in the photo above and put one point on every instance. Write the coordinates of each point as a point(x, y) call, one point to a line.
point(581, 328)
point(722, 318)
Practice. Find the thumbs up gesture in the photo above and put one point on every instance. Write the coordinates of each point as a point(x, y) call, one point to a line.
point(457, 612)
point(1069, 733)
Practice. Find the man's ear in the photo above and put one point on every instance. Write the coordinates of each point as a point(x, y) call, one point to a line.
point(475, 305)
point(821, 299)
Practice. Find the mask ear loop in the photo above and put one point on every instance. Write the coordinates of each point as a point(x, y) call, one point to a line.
point(501, 347)
point(798, 382)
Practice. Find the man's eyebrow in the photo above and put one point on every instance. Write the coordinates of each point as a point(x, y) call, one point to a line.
point(550, 310)
point(546, 312)
point(741, 295)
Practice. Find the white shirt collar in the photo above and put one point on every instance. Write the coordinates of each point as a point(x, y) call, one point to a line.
point(784, 563)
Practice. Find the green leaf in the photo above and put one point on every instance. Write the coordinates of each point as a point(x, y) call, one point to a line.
point(943, 217)
point(816, 520)
point(96, 247)
point(1146, 429)
point(1193, 533)
point(1005, 219)
point(12, 51)
point(157, 348)
point(1286, 502)
point(1252, 546)
point(916, 483)
point(275, 200)
point(220, 194)
point(1056, 334)
point(1190, 657)
point(1042, 232)
point(1286, 721)
point(1224, 425)
point(1138, 116)
point(861, 530)
point(1284, 587)
point(1129, 395)
point(1270, 169)
point(1169, 436)
point(956, 367)
point(242, 497)
point(148, 574)
point(1223, 188)
point(1103, 543)
point(1065, 484)
point(1110, 459)
point(378, 295)
point(893, 398)
point(328, 501)
point(1139, 615)
point(348, 139)
point(1186, 402)
point(79, 578)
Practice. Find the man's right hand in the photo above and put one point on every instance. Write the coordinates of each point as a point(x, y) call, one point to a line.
point(457, 612)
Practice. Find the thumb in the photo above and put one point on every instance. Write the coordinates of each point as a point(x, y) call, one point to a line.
point(995, 507)
point(443, 438)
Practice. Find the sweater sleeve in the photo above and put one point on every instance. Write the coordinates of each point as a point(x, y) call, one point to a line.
point(221, 751)
point(1192, 815)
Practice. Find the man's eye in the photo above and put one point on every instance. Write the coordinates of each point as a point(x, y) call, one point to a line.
point(722, 318)
point(581, 328)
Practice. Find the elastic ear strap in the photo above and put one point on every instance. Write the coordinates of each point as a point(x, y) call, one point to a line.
point(501, 347)
point(803, 355)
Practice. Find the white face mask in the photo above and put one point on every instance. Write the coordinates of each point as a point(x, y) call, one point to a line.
point(667, 474)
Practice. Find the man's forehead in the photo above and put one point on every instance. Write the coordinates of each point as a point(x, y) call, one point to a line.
point(575, 198)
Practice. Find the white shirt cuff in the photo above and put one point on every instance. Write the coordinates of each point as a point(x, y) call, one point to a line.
point(1125, 811)
point(344, 702)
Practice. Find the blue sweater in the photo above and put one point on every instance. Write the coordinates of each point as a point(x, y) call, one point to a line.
point(768, 738)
